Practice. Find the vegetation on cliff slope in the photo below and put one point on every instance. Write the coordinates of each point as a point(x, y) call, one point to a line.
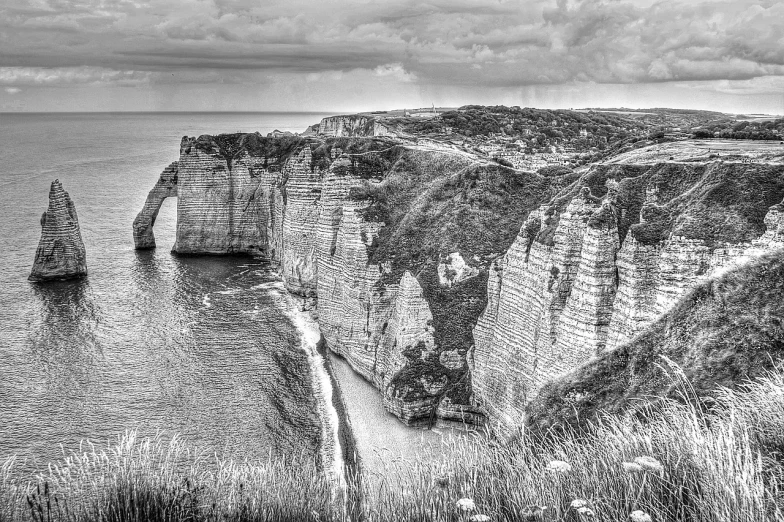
point(711, 201)
point(681, 463)
point(433, 204)
point(723, 332)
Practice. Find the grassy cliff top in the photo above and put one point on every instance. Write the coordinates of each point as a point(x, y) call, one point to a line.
point(713, 201)
point(277, 150)
point(722, 333)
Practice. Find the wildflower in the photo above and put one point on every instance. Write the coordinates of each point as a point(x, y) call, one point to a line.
point(586, 512)
point(559, 466)
point(578, 503)
point(649, 463)
point(640, 516)
point(479, 518)
point(466, 504)
point(631, 467)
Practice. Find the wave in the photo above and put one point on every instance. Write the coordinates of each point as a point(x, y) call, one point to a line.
point(331, 451)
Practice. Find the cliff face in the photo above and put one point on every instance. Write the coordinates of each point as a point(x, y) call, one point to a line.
point(60, 253)
point(356, 126)
point(344, 219)
point(404, 251)
point(347, 126)
point(586, 273)
point(723, 332)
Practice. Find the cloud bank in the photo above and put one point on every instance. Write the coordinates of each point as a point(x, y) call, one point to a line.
point(469, 44)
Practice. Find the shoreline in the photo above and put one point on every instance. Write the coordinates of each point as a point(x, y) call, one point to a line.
point(339, 457)
point(352, 462)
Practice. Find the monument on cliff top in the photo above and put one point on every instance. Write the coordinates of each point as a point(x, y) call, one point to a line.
point(60, 253)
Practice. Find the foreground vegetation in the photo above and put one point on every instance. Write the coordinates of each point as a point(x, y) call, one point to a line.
point(686, 461)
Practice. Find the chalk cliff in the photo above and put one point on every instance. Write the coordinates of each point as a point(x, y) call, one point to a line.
point(165, 187)
point(60, 253)
point(723, 332)
point(425, 280)
point(343, 220)
point(356, 126)
point(607, 257)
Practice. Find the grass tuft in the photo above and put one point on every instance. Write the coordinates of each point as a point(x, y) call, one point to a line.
point(717, 461)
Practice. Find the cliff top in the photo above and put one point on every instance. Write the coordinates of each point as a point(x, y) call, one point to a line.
point(713, 201)
point(744, 151)
point(722, 333)
point(277, 150)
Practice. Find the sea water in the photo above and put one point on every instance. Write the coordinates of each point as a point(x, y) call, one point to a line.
point(205, 347)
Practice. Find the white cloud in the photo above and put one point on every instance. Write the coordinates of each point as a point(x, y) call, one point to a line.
point(396, 71)
point(70, 75)
point(13, 90)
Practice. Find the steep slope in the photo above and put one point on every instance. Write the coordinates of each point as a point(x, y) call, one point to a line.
point(604, 259)
point(725, 331)
point(60, 253)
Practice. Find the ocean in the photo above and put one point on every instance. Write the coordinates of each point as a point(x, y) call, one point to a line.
point(204, 347)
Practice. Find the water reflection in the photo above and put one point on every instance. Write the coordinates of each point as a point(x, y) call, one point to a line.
point(63, 337)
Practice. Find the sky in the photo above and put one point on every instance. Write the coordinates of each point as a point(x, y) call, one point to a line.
point(358, 55)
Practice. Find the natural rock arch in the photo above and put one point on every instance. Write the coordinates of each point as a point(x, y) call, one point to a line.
point(166, 187)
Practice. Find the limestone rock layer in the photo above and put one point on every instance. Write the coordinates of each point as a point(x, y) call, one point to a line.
point(60, 253)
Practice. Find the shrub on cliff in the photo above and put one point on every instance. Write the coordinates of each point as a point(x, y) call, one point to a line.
point(435, 203)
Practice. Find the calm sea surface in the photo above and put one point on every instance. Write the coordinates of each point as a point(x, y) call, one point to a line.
point(197, 346)
point(202, 347)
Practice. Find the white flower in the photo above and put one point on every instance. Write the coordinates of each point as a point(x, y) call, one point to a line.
point(585, 511)
point(631, 467)
point(578, 503)
point(480, 518)
point(559, 466)
point(640, 516)
point(649, 463)
point(466, 504)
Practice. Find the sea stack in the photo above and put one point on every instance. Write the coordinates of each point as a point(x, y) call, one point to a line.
point(60, 253)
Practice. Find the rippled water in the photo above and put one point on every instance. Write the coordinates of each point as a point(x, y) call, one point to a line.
point(199, 346)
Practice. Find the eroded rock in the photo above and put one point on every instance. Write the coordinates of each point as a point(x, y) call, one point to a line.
point(60, 254)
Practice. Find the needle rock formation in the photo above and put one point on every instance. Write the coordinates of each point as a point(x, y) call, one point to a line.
point(60, 253)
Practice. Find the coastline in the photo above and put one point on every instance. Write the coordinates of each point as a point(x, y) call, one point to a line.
point(352, 461)
point(325, 391)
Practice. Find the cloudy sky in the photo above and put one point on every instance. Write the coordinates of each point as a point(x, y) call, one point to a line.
point(350, 55)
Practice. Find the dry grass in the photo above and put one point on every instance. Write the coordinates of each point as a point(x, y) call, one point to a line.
point(721, 465)
point(719, 462)
point(154, 479)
